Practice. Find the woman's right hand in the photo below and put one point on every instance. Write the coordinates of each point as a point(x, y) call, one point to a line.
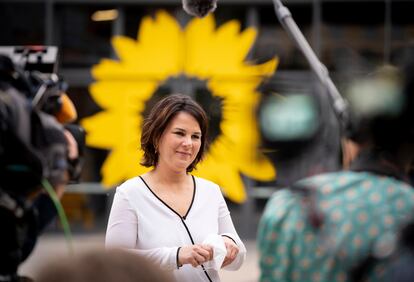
point(195, 254)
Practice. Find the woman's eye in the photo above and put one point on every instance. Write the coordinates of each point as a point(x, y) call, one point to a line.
point(196, 136)
point(179, 133)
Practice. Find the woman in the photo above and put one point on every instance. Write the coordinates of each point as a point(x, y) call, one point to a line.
point(167, 213)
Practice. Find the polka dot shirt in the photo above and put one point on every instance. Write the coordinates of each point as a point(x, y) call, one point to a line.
point(361, 215)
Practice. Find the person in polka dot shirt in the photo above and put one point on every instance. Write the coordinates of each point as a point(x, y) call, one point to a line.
point(344, 226)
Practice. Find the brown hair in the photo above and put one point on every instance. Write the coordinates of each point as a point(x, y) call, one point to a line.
point(158, 119)
point(102, 265)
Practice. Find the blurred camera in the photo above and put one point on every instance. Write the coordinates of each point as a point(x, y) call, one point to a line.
point(36, 141)
point(32, 143)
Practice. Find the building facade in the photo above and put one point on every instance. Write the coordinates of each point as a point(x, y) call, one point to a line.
point(348, 36)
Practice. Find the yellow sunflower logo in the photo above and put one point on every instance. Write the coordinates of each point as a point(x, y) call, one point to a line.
point(164, 50)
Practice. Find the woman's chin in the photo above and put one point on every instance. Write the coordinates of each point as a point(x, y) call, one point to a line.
point(181, 166)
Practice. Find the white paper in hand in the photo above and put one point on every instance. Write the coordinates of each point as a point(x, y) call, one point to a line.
point(219, 249)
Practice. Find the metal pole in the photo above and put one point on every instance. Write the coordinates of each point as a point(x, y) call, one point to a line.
point(339, 104)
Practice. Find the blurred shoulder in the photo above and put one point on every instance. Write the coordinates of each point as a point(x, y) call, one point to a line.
point(281, 198)
point(331, 177)
point(285, 198)
point(129, 185)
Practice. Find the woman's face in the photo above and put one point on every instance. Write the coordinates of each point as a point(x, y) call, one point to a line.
point(180, 142)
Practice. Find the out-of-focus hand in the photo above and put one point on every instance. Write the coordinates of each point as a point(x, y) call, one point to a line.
point(232, 251)
point(73, 152)
point(60, 190)
point(350, 151)
point(195, 254)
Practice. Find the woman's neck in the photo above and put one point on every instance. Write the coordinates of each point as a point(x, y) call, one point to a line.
point(164, 175)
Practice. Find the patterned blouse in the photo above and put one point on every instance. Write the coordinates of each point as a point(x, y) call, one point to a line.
point(361, 213)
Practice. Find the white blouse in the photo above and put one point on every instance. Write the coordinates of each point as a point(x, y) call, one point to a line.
point(141, 221)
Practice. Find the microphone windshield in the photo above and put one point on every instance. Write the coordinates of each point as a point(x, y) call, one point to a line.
point(199, 8)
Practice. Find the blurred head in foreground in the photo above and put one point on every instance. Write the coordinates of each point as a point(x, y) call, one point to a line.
point(380, 106)
point(103, 266)
point(382, 110)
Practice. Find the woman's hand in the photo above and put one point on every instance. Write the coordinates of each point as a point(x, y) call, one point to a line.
point(195, 254)
point(232, 251)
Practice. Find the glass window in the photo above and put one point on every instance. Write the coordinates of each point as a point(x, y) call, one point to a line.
point(18, 27)
point(225, 13)
point(83, 41)
point(135, 14)
point(350, 36)
point(133, 17)
point(402, 30)
point(273, 40)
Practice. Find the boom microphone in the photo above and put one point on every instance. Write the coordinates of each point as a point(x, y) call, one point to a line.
point(199, 8)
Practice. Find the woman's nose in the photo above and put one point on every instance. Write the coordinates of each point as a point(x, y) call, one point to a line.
point(187, 141)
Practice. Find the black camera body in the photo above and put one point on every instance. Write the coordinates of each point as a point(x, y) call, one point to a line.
point(33, 144)
point(33, 148)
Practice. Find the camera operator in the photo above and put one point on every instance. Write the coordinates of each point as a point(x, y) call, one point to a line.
point(35, 150)
point(344, 226)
